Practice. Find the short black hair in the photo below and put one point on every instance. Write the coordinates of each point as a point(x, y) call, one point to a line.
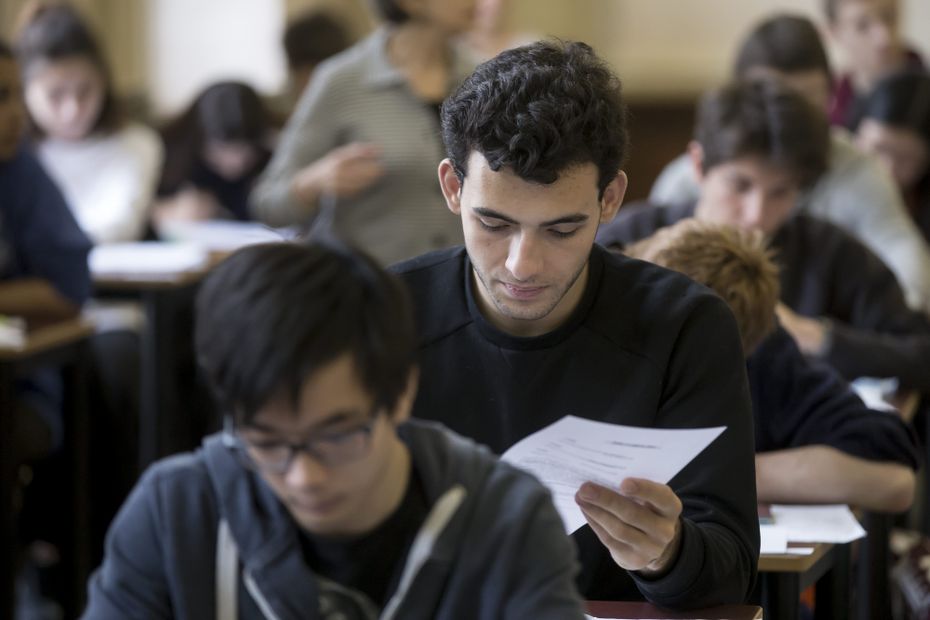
point(313, 37)
point(270, 315)
point(901, 100)
point(786, 43)
point(763, 118)
point(539, 110)
point(391, 11)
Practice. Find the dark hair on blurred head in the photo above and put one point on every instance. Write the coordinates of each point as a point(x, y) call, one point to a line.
point(313, 37)
point(390, 11)
point(50, 31)
point(786, 43)
point(223, 112)
point(271, 315)
point(5, 51)
point(737, 265)
point(539, 110)
point(763, 118)
point(901, 100)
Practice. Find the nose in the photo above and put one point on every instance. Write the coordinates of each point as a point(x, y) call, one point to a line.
point(70, 109)
point(305, 472)
point(753, 214)
point(524, 260)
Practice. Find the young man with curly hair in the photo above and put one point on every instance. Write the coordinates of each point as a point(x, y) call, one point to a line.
point(530, 321)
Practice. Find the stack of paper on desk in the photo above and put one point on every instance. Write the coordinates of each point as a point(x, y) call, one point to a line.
point(574, 450)
point(145, 258)
point(808, 524)
point(222, 235)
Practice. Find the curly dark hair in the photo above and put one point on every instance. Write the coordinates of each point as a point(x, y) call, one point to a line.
point(538, 110)
point(764, 118)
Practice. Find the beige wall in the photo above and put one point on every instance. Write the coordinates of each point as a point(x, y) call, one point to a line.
point(662, 48)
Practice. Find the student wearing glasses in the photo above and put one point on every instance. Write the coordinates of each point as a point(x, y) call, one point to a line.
point(319, 499)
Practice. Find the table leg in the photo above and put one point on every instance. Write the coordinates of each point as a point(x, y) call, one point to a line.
point(77, 415)
point(781, 594)
point(833, 598)
point(874, 596)
point(8, 467)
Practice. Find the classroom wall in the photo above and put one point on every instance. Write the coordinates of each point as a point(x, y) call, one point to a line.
point(663, 49)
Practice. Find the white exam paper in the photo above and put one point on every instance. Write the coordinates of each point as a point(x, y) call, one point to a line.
point(813, 524)
point(774, 539)
point(573, 450)
point(145, 258)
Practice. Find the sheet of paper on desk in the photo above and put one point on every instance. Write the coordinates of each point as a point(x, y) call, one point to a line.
point(826, 524)
point(574, 450)
point(223, 235)
point(774, 539)
point(145, 257)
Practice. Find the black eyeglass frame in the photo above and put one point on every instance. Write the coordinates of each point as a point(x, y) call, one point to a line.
point(244, 450)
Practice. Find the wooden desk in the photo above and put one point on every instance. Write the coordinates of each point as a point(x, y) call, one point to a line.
point(163, 296)
point(613, 609)
point(784, 577)
point(61, 344)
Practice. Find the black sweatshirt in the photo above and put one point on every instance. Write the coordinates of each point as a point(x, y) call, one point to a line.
point(799, 402)
point(825, 273)
point(645, 347)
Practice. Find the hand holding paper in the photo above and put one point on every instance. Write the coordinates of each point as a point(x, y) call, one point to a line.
point(640, 525)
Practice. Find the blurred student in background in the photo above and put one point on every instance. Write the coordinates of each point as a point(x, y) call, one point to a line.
point(214, 151)
point(106, 166)
point(309, 39)
point(867, 35)
point(361, 150)
point(853, 193)
point(816, 442)
point(894, 125)
point(43, 279)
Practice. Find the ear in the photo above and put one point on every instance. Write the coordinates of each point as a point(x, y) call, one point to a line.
point(696, 155)
point(613, 197)
point(451, 186)
point(404, 404)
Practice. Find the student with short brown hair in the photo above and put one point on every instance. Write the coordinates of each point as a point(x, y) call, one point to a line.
point(753, 151)
point(815, 439)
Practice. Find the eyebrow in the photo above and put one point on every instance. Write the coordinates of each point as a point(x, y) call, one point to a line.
point(336, 419)
point(574, 218)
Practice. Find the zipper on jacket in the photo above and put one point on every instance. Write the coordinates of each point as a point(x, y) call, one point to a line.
point(424, 543)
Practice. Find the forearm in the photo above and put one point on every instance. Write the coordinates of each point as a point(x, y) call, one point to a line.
point(824, 475)
point(35, 298)
point(863, 353)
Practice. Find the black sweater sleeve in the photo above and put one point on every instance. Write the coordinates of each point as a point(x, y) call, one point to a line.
point(797, 402)
point(874, 333)
point(705, 385)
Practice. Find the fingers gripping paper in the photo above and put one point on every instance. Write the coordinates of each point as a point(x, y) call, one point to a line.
point(572, 451)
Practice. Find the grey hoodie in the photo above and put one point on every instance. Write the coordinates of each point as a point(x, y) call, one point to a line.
point(202, 537)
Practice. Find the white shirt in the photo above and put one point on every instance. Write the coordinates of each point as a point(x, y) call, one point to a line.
point(108, 180)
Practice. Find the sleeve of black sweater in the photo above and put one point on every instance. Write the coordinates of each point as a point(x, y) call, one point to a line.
point(704, 385)
point(799, 402)
point(874, 333)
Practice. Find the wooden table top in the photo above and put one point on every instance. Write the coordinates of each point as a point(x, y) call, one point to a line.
point(614, 609)
point(791, 563)
point(48, 337)
point(157, 280)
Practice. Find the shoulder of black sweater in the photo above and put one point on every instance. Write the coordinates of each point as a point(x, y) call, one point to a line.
point(639, 220)
point(436, 283)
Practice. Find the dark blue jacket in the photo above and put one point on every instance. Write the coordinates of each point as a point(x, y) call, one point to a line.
point(492, 547)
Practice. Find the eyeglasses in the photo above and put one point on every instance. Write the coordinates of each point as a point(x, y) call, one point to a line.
point(327, 449)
